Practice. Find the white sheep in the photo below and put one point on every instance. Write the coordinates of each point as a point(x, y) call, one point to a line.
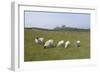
point(67, 44)
point(49, 43)
point(39, 40)
point(78, 43)
point(60, 43)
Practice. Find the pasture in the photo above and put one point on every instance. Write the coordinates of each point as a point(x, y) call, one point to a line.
point(36, 52)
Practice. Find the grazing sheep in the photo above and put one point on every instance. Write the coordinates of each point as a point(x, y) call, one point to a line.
point(49, 43)
point(78, 43)
point(39, 40)
point(67, 44)
point(60, 43)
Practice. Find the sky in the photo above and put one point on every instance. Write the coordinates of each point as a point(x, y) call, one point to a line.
point(50, 20)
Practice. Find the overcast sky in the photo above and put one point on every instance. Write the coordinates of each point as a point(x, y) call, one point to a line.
point(50, 20)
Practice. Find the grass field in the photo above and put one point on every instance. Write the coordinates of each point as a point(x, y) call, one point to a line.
point(36, 52)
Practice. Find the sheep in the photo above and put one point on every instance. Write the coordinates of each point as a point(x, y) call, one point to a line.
point(67, 44)
point(49, 44)
point(60, 43)
point(39, 40)
point(77, 43)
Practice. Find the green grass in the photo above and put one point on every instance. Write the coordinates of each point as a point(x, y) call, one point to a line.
point(36, 52)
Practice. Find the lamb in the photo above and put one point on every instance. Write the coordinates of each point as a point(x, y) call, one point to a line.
point(67, 44)
point(49, 44)
point(39, 40)
point(60, 43)
point(78, 43)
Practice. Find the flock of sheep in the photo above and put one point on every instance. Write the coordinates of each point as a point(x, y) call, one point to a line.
point(50, 43)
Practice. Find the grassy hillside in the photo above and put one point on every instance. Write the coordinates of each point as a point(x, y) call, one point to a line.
point(36, 52)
